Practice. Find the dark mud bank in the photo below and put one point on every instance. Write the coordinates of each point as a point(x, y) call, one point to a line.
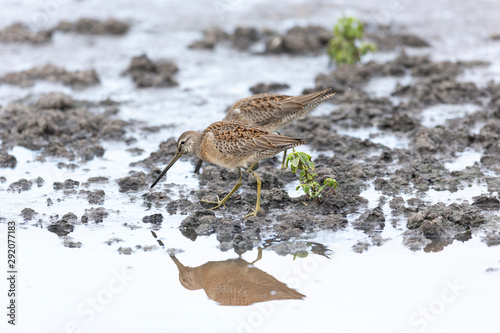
point(59, 126)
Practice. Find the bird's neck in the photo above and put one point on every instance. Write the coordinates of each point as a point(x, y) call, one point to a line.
point(198, 143)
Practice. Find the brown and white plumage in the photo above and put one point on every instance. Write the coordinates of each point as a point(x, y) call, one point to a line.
point(235, 145)
point(231, 145)
point(273, 111)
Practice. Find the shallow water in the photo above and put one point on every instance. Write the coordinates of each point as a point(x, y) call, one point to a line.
point(94, 288)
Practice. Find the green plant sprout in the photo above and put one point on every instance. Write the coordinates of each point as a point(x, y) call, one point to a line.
point(300, 254)
point(346, 47)
point(300, 161)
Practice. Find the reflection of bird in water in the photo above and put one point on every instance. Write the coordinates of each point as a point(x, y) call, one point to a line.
point(234, 282)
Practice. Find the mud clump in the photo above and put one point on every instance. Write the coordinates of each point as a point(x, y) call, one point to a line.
point(429, 92)
point(7, 161)
point(244, 37)
point(39, 181)
point(28, 214)
point(97, 180)
point(296, 224)
point(180, 206)
point(51, 73)
point(210, 38)
point(19, 32)
point(442, 222)
point(63, 226)
point(488, 136)
point(199, 223)
point(95, 197)
point(260, 88)
point(155, 199)
point(230, 233)
point(486, 202)
point(96, 215)
point(72, 245)
point(21, 185)
point(371, 220)
point(237, 235)
point(125, 250)
point(146, 73)
point(492, 238)
point(55, 100)
point(57, 127)
point(134, 182)
point(309, 40)
point(153, 219)
point(299, 40)
point(90, 26)
point(68, 184)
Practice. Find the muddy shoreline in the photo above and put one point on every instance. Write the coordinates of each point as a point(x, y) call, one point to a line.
point(59, 126)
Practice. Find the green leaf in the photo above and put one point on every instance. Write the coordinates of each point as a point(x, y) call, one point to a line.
point(346, 47)
point(300, 254)
point(306, 189)
point(304, 158)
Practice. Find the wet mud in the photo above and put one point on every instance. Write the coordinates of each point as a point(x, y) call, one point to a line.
point(20, 32)
point(146, 73)
point(57, 125)
point(298, 40)
point(91, 26)
point(51, 73)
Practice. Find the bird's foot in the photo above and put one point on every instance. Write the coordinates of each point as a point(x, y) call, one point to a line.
point(217, 203)
point(254, 212)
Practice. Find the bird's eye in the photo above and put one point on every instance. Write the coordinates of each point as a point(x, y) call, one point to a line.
point(182, 142)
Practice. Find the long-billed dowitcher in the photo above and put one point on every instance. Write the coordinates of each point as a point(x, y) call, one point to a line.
point(232, 145)
point(271, 112)
point(234, 282)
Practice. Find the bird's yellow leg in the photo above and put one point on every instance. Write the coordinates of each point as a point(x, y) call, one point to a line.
point(259, 256)
point(284, 160)
point(284, 157)
point(257, 205)
point(223, 201)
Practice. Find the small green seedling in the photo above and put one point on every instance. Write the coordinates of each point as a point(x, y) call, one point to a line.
point(300, 161)
point(346, 47)
point(300, 254)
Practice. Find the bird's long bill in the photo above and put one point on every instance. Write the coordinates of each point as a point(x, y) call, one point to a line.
point(177, 155)
point(180, 266)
